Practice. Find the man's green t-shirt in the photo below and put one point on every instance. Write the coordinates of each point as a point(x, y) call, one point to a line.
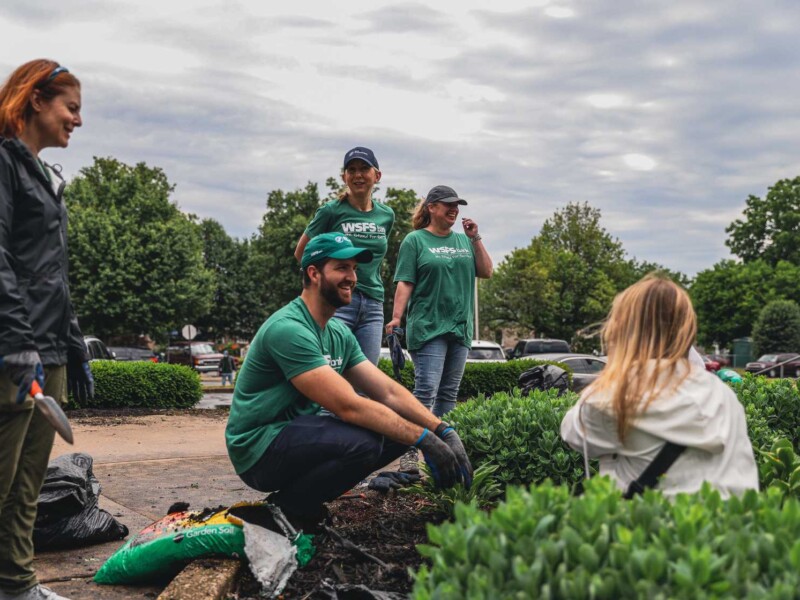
point(442, 269)
point(288, 344)
point(369, 229)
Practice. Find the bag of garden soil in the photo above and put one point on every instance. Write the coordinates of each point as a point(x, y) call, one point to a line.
point(162, 548)
point(67, 512)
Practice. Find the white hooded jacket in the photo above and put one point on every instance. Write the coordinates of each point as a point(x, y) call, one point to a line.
point(702, 414)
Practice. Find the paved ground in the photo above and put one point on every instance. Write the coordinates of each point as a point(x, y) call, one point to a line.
point(144, 464)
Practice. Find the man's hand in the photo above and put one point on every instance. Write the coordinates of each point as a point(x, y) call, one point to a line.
point(441, 460)
point(392, 480)
point(449, 436)
point(23, 368)
point(79, 376)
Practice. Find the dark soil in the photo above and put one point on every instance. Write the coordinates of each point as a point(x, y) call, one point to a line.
point(387, 527)
point(125, 416)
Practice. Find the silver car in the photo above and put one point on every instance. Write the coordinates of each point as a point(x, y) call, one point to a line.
point(585, 367)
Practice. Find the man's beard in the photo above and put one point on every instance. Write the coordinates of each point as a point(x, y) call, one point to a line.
point(331, 294)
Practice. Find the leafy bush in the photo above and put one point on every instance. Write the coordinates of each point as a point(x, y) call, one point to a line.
point(780, 468)
point(142, 384)
point(777, 328)
point(479, 378)
point(519, 434)
point(777, 402)
point(546, 543)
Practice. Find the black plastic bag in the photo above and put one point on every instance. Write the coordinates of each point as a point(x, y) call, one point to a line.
point(67, 514)
point(544, 377)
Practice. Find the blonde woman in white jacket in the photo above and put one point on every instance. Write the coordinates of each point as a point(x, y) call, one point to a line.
point(650, 393)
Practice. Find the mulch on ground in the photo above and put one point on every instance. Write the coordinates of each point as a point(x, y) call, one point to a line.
point(127, 416)
point(386, 527)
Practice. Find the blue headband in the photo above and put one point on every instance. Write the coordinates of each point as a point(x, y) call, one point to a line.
point(55, 73)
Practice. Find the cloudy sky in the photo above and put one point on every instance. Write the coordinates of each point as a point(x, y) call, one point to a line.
point(665, 115)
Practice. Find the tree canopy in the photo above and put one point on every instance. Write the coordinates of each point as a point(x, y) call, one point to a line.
point(777, 328)
point(136, 261)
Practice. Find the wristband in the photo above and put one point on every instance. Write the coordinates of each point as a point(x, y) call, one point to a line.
point(477, 238)
point(443, 428)
point(422, 437)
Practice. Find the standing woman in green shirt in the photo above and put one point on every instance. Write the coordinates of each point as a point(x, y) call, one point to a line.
point(435, 276)
point(367, 224)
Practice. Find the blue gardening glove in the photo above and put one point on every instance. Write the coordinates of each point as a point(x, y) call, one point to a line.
point(392, 480)
point(23, 368)
point(396, 351)
point(441, 460)
point(79, 377)
point(449, 436)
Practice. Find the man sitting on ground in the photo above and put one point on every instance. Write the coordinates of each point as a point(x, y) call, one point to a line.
point(301, 360)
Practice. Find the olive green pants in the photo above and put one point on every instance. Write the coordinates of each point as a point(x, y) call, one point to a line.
point(26, 439)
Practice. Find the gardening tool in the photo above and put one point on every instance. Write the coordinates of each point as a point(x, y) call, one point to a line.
point(396, 351)
point(52, 412)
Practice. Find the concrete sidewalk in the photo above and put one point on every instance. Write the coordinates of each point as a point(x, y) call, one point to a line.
point(144, 464)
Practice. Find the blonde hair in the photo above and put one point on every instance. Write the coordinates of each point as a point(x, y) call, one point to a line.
point(422, 215)
point(652, 320)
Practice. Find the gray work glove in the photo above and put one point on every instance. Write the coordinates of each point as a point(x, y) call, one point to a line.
point(392, 480)
point(449, 436)
point(80, 381)
point(23, 368)
point(441, 460)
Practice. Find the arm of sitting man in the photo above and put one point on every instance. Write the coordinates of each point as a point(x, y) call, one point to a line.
point(380, 387)
point(330, 390)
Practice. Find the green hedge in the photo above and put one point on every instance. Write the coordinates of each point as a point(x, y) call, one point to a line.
point(142, 384)
point(520, 435)
point(479, 378)
point(546, 543)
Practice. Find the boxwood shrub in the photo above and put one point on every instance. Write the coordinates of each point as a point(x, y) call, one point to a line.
point(520, 435)
point(142, 384)
point(546, 543)
point(479, 378)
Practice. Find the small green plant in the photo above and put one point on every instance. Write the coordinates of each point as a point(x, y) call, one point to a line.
point(780, 468)
point(483, 492)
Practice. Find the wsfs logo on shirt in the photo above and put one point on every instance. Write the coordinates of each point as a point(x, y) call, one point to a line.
point(449, 250)
point(363, 228)
point(335, 363)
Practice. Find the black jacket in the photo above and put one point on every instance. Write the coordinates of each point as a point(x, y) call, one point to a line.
point(35, 308)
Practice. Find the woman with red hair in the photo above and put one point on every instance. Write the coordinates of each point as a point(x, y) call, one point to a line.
point(40, 341)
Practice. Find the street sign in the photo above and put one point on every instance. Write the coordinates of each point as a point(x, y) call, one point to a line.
point(189, 331)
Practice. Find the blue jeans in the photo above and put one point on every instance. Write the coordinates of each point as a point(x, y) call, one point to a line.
point(438, 369)
point(227, 377)
point(364, 317)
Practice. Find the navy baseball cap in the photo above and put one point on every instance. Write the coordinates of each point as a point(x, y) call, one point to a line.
point(361, 153)
point(332, 245)
point(442, 193)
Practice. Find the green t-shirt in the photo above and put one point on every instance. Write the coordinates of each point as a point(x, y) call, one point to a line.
point(442, 269)
point(368, 230)
point(288, 344)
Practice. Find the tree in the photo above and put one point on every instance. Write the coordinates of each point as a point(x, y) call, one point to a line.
point(729, 297)
point(136, 261)
point(402, 202)
point(564, 280)
point(235, 295)
point(777, 328)
point(272, 263)
point(770, 230)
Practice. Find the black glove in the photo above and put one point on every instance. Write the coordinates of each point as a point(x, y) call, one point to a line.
point(450, 437)
point(396, 352)
point(23, 368)
point(79, 376)
point(441, 460)
point(392, 480)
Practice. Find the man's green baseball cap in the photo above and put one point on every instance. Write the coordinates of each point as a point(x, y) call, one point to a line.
point(332, 245)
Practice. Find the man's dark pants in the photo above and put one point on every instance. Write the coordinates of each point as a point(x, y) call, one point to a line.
point(317, 458)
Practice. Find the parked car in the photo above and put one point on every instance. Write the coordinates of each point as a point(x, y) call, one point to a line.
point(711, 365)
point(585, 367)
point(126, 353)
point(770, 365)
point(724, 360)
point(525, 348)
point(198, 355)
point(97, 349)
point(483, 351)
